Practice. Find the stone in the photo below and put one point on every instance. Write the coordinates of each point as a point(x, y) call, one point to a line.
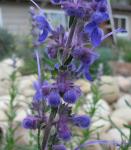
point(4, 87)
point(114, 135)
point(121, 103)
point(8, 61)
point(23, 136)
point(102, 107)
point(21, 114)
point(123, 113)
point(123, 83)
point(118, 122)
point(94, 147)
point(122, 68)
point(100, 126)
point(28, 93)
point(109, 89)
point(84, 85)
point(26, 83)
point(5, 71)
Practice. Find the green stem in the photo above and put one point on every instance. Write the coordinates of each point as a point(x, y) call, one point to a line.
point(39, 145)
point(69, 40)
point(48, 128)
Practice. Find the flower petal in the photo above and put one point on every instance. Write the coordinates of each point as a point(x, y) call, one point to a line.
point(96, 36)
point(43, 36)
point(89, 27)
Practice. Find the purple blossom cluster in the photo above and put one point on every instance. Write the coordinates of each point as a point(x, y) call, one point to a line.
point(74, 52)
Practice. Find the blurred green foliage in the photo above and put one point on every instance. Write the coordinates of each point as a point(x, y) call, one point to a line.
point(120, 1)
point(106, 55)
point(25, 51)
point(124, 49)
point(7, 44)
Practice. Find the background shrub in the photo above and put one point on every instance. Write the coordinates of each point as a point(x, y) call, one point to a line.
point(7, 44)
point(124, 49)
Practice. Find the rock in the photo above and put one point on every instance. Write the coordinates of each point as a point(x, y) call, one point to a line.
point(21, 114)
point(94, 147)
point(4, 99)
point(109, 89)
point(102, 107)
point(5, 71)
point(100, 125)
point(121, 103)
point(4, 87)
point(123, 83)
point(26, 85)
point(85, 85)
point(9, 62)
point(123, 113)
point(23, 136)
point(28, 93)
point(115, 135)
point(122, 68)
point(118, 122)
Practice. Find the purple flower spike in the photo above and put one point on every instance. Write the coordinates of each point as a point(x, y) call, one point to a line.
point(54, 99)
point(59, 147)
point(71, 96)
point(82, 121)
point(31, 122)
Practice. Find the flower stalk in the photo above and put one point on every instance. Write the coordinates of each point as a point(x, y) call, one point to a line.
point(48, 128)
point(71, 60)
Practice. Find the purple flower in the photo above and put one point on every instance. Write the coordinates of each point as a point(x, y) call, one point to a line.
point(31, 122)
point(52, 51)
point(73, 11)
point(46, 88)
point(95, 33)
point(54, 99)
point(63, 131)
point(87, 58)
point(99, 17)
point(63, 83)
point(38, 94)
point(71, 96)
point(82, 121)
point(43, 26)
point(59, 147)
point(96, 36)
point(102, 6)
point(55, 1)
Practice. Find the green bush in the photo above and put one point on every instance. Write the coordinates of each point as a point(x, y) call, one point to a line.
point(7, 45)
point(25, 51)
point(124, 49)
point(105, 56)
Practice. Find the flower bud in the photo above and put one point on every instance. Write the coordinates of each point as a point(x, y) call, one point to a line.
point(31, 122)
point(70, 96)
point(54, 99)
point(82, 121)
